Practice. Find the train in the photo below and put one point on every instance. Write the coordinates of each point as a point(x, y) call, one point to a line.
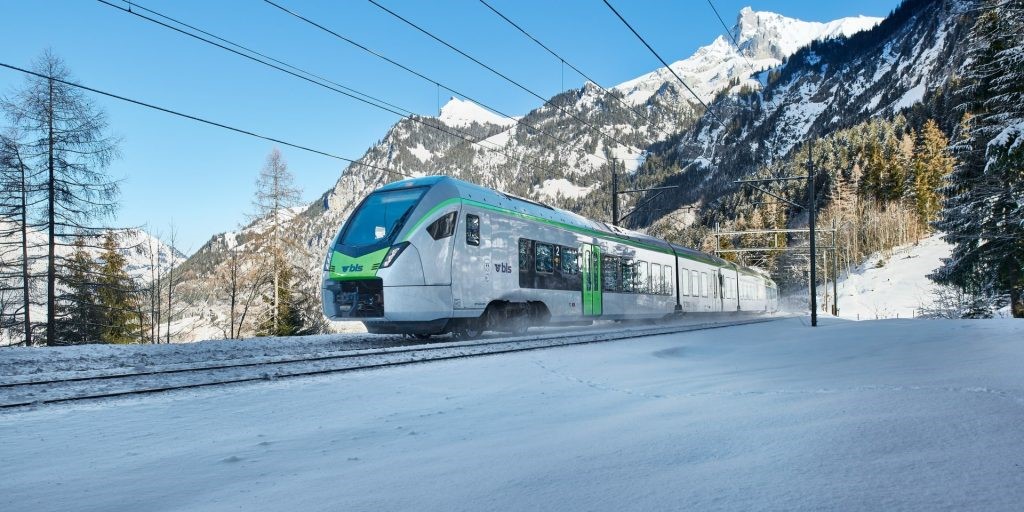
point(435, 255)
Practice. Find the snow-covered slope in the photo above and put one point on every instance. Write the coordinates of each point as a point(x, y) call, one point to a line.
point(765, 39)
point(893, 285)
point(459, 112)
point(901, 415)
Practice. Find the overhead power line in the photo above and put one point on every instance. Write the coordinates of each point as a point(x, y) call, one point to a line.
point(197, 118)
point(731, 35)
point(313, 79)
point(642, 40)
point(502, 75)
point(562, 59)
point(437, 83)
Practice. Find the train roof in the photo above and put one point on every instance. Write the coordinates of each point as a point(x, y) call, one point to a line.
point(533, 208)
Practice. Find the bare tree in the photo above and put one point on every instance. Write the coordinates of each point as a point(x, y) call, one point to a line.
point(14, 205)
point(275, 193)
point(65, 135)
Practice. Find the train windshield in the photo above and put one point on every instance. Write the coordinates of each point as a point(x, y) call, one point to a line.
point(379, 217)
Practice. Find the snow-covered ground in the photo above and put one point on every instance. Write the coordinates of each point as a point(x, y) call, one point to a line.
point(881, 415)
point(894, 285)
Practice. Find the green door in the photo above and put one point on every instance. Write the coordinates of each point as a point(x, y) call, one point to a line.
point(591, 271)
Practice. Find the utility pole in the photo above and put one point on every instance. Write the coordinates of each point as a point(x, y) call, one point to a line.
point(811, 218)
point(615, 195)
point(835, 272)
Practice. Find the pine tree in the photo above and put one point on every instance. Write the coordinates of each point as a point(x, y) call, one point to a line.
point(117, 297)
point(79, 317)
point(982, 216)
point(931, 164)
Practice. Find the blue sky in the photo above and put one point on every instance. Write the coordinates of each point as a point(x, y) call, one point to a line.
point(202, 178)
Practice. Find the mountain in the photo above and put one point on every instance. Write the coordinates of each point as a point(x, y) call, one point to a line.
point(782, 81)
point(764, 40)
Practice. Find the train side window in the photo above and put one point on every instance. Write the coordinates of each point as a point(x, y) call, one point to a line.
point(628, 276)
point(657, 279)
point(472, 229)
point(643, 278)
point(570, 261)
point(525, 254)
point(669, 282)
point(694, 283)
point(703, 284)
point(684, 279)
point(610, 272)
point(545, 257)
point(443, 227)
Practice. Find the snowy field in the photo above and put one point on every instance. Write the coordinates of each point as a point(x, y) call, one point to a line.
point(893, 285)
point(880, 415)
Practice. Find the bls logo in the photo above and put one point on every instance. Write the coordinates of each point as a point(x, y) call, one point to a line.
point(355, 267)
point(503, 268)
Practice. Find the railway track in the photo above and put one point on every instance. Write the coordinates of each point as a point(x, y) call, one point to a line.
point(109, 385)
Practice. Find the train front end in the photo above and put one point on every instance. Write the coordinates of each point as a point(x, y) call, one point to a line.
point(374, 270)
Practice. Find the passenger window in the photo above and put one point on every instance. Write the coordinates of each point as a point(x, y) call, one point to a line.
point(570, 262)
point(703, 284)
point(443, 227)
point(643, 279)
point(657, 279)
point(669, 282)
point(628, 276)
point(610, 271)
point(544, 259)
point(685, 278)
point(694, 283)
point(472, 229)
point(525, 254)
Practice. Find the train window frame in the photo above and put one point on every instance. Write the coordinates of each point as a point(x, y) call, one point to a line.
point(627, 283)
point(657, 279)
point(443, 226)
point(704, 284)
point(694, 283)
point(472, 230)
point(684, 277)
point(537, 258)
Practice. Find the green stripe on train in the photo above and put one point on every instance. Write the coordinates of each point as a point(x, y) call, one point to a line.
point(346, 268)
point(569, 227)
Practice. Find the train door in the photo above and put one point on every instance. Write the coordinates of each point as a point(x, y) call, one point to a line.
point(590, 269)
point(471, 285)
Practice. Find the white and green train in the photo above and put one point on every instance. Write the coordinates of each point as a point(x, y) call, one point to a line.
point(434, 255)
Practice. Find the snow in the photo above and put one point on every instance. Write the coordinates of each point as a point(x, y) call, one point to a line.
point(882, 415)
point(464, 113)
point(421, 153)
point(561, 187)
point(899, 287)
point(913, 95)
point(765, 39)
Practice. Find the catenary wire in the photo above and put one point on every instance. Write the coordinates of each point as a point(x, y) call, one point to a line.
point(631, 108)
point(644, 41)
point(372, 101)
point(502, 75)
point(436, 83)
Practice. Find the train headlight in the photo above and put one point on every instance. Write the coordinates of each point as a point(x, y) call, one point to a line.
point(392, 254)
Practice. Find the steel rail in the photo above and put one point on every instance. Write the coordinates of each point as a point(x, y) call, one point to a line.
point(518, 344)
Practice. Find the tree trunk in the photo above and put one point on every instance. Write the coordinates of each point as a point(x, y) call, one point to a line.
point(27, 302)
point(1017, 301)
point(51, 263)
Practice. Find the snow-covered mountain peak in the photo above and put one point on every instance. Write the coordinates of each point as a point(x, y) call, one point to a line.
point(464, 113)
point(765, 39)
